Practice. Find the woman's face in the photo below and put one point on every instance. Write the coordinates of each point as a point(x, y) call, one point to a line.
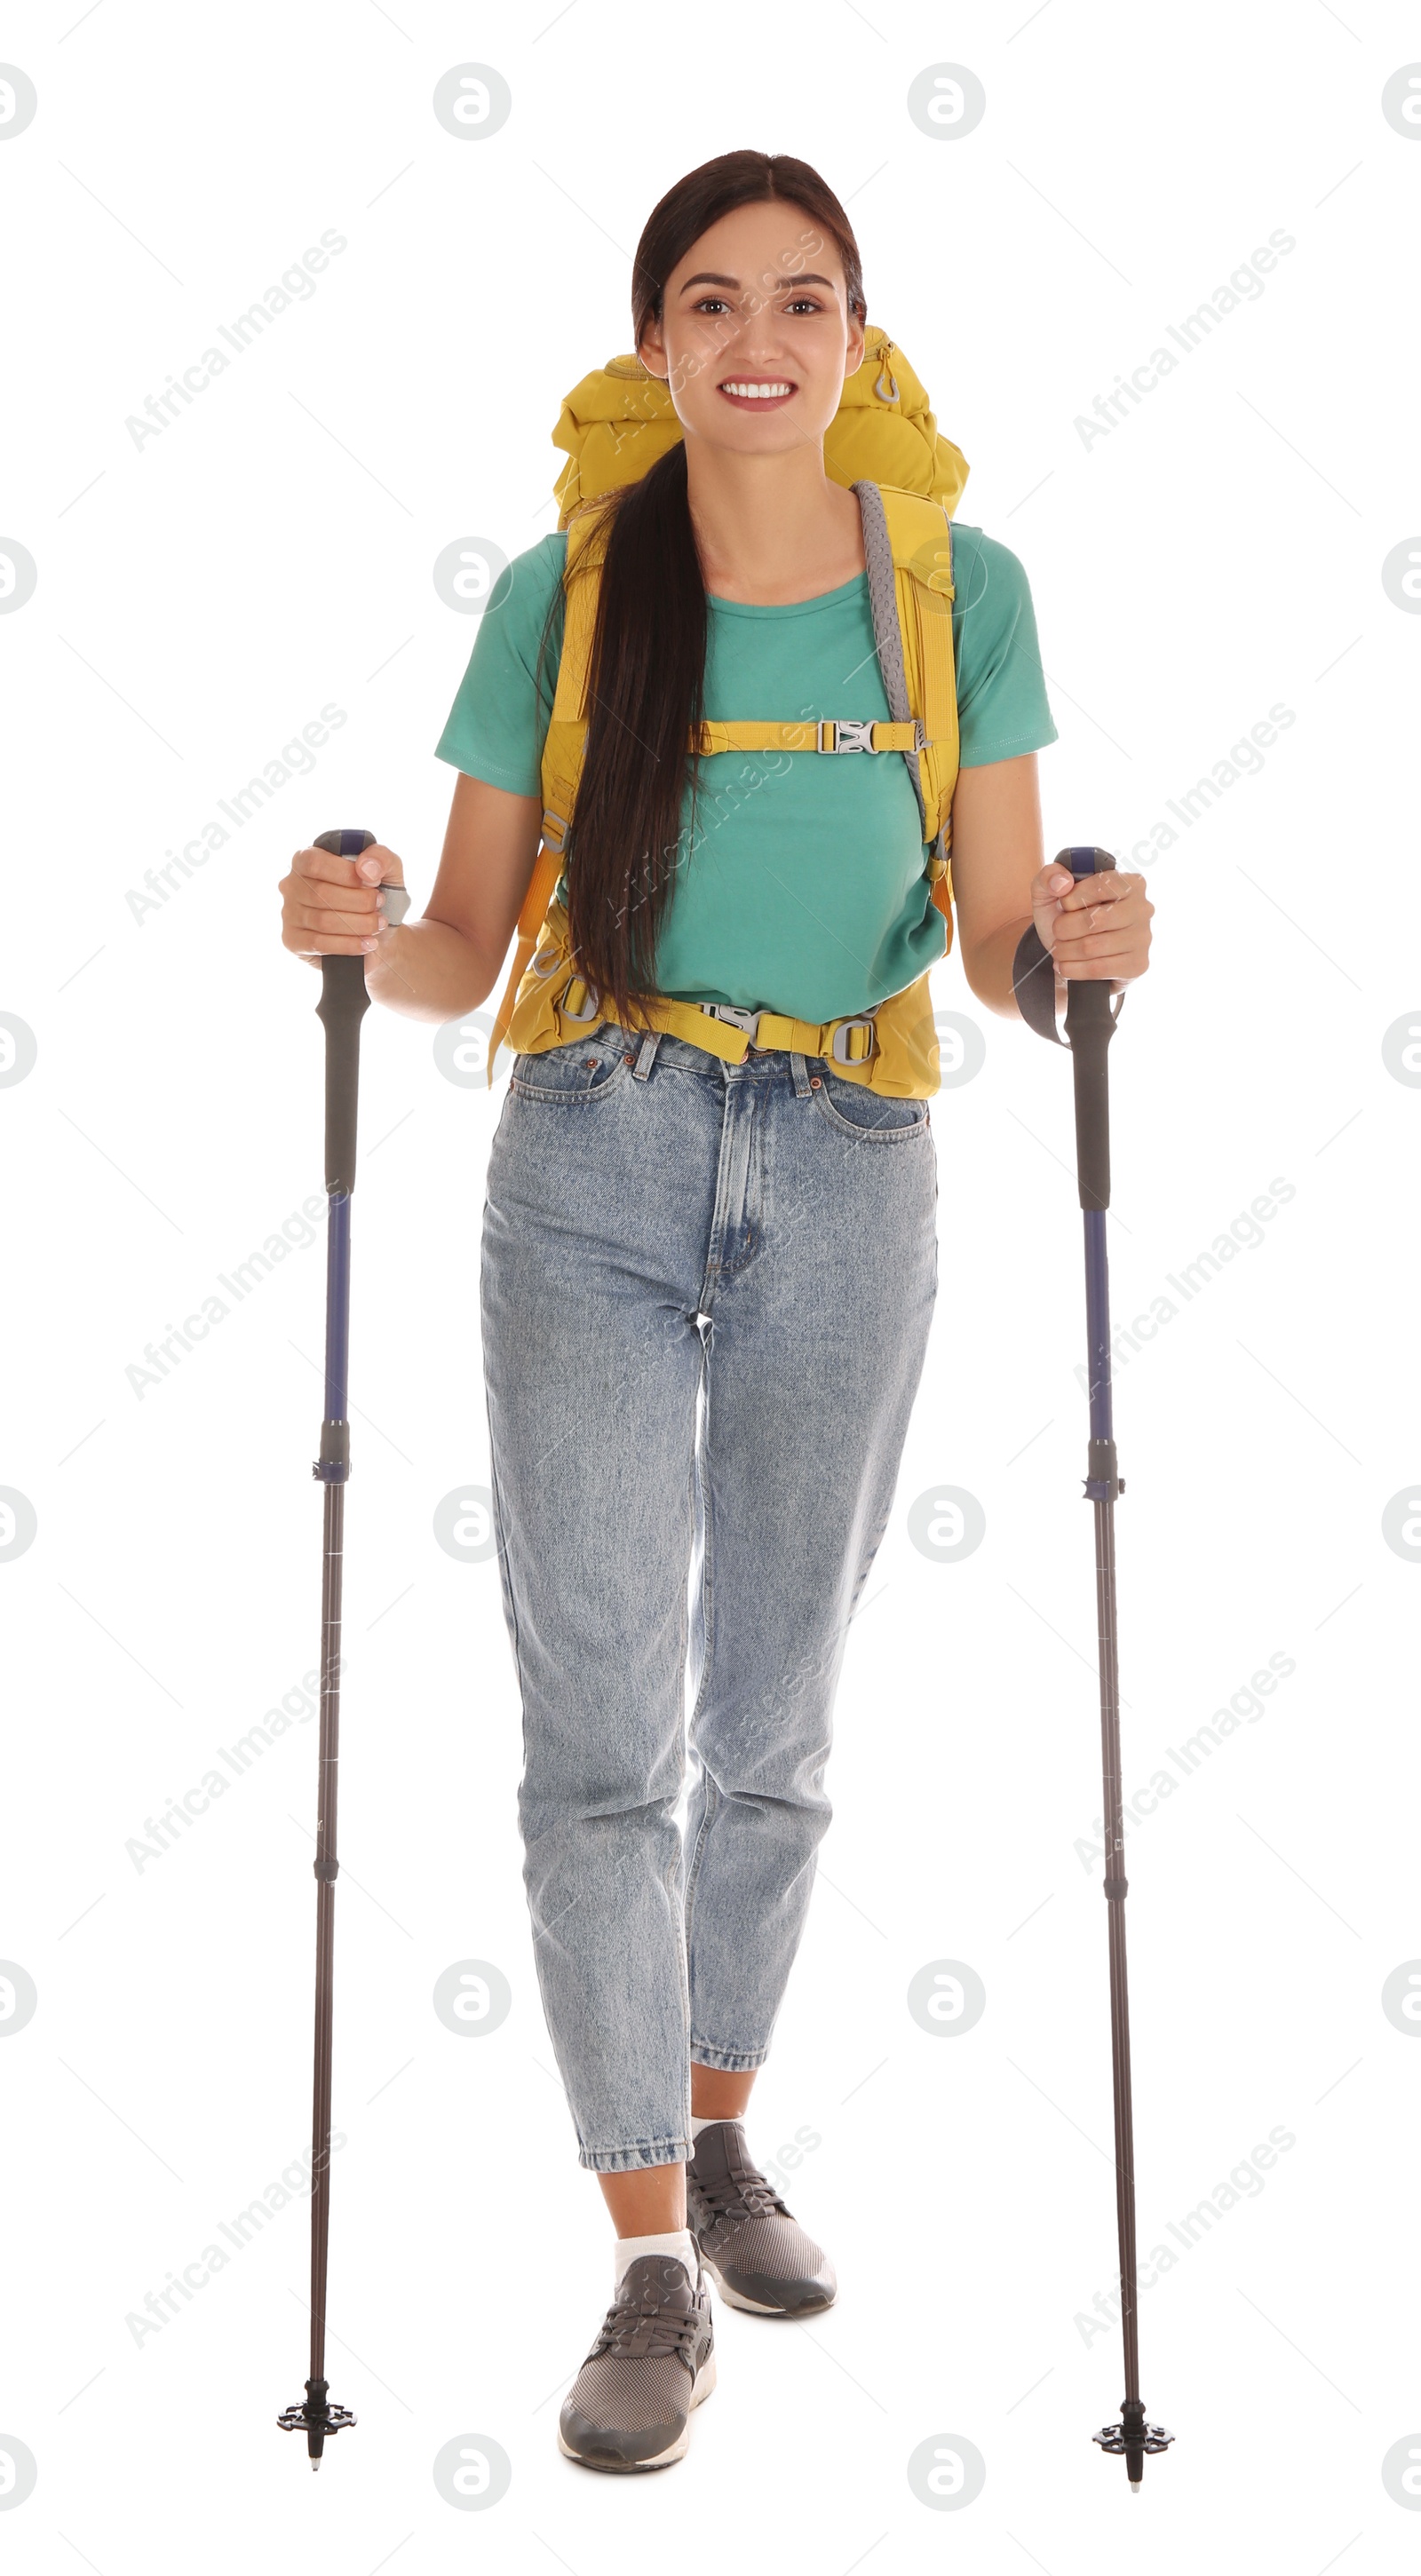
point(758, 300)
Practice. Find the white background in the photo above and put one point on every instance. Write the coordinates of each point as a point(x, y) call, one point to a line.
point(198, 601)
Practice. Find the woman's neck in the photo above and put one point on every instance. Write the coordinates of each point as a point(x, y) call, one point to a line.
point(771, 529)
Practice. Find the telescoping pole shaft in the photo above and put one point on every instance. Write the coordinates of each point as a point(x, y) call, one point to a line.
point(335, 1436)
point(1090, 1026)
point(342, 1006)
point(1102, 1486)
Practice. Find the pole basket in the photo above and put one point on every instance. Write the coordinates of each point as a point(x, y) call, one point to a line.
point(316, 2419)
point(1134, 2437)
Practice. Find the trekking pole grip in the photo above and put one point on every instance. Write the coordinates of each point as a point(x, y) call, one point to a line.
point(1090, 1026)
point(341, 1008)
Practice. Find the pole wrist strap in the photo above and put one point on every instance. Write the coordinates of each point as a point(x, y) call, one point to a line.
point(1033, 980)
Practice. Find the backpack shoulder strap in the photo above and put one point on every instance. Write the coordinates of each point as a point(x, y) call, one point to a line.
point(908, 547)
point(562, 757)
point(887, 631)
point(567, 726)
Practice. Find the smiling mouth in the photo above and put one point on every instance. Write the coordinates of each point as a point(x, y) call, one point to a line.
point(759, 393)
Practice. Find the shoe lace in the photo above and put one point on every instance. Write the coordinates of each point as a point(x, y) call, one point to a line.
point(743, 2195)
point(631, 2327)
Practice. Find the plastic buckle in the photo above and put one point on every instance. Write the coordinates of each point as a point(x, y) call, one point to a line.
point(839, 1049)
point(546, 963)
point(594, 1001)
point(749, 1021)
point(846, 733)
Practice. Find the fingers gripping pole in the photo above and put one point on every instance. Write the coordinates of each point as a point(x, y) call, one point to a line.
point(1090, 1025)
point(343, 1004)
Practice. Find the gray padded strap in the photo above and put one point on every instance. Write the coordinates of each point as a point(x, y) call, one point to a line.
point(883, 600)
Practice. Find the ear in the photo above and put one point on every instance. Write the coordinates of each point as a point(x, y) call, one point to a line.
point(652, 351)
point(853, 353)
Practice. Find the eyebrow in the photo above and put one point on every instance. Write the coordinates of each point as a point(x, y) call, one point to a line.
point(705, 277)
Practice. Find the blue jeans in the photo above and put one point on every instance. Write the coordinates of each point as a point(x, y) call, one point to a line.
point(706, 1291)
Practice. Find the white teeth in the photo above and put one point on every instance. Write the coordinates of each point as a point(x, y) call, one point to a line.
point(757, 392)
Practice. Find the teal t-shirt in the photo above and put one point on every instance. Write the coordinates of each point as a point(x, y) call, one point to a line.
point(802, 889)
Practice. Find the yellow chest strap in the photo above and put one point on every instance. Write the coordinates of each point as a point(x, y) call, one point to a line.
point(814, 733)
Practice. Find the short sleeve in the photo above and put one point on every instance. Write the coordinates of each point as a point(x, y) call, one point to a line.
point(1002, 707)
point(499, 719)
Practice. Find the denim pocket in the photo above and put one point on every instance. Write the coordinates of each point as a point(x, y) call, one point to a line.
point(871, 1116)
point(586, 1069)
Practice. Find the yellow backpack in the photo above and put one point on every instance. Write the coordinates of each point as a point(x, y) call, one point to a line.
point(884, 445)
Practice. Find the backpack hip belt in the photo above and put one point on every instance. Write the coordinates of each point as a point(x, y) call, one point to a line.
point(892, 1049)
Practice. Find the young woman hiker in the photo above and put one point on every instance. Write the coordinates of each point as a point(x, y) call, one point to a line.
point(709, 1260)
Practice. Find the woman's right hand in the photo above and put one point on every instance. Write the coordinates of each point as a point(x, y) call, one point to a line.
point(443, 965)
point(332, 907)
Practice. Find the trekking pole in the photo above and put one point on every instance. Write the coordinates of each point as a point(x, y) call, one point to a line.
point(1090, 1026)
point(342, 1006)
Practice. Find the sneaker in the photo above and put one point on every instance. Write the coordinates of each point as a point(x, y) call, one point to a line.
point(654, 2359)
point(755, 2252)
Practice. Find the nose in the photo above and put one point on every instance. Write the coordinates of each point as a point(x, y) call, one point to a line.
point(757, 346)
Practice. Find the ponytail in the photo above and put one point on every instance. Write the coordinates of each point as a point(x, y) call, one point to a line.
point(646, 676)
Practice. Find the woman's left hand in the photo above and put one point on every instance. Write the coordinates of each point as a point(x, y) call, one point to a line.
point(1097, 928)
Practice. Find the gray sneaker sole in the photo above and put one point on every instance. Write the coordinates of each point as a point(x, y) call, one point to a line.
point(759, 2307)
point(705, 2382)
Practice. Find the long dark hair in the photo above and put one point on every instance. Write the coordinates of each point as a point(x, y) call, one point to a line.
point(647, 667)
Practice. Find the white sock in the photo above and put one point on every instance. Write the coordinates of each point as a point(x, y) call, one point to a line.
point(676, 2241)
point(698, 2125)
